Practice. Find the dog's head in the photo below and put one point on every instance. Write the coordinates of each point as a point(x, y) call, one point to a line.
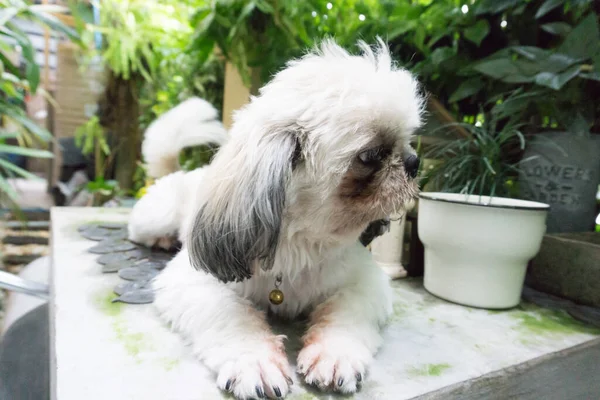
point(321, 152)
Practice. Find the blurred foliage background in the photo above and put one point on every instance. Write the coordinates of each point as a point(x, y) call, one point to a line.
point(526, 64)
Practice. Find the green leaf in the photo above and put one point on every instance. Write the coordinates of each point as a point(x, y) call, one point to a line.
point(203, 50)
point(441, 54)
point(557, 28)
point(489, 166)
point(223, 20)
point(17, 170)
point(205, 24)
point(476, 33)
point(10, 67)
point(199, 15)
point(596, 61)
point(556, 81)
point(20, 117)
point(584, 40)
point(53, 23)
point(400, 29)
point(6, 14)
point(24, 151)
point(467, 88)
point(265, 7)
point(6, 187)
point(436, 38)
point(8, 135)
point(32, 74)
point(542, 60)
point(594, 76)
point(514, 105)
point(496, 68)
point(495, 6)
point(548, 6)
point(246, 11)
point(420, 37)
point(531, 52)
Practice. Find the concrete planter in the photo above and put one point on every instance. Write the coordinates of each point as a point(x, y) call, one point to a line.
point(564, 174)
point(568, 265)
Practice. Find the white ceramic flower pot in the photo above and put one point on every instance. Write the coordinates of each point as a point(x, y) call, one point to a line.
point(477, 248)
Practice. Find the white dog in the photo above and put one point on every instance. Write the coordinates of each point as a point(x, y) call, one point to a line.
point(156, 218)
point(273, 224)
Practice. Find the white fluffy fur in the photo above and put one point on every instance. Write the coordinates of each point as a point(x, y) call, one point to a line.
point(333, 100)
point(157, 216)
point(192, 122)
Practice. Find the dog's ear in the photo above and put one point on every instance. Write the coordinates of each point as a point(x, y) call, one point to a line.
point(238, 226)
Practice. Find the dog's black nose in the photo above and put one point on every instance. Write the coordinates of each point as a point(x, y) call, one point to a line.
point(411, 165)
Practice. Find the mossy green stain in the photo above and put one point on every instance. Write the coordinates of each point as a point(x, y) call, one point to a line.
point(104, 301)
point(545, 322)
point(134, 343)
point(302, 396)
point(429, 369)
point(170, 363)
point(398, 312)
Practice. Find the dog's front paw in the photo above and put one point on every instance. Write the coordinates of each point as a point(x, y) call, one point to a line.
point(334, 365)
point(257, 374)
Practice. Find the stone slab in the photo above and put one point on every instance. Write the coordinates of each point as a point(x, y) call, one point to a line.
point(120, 351)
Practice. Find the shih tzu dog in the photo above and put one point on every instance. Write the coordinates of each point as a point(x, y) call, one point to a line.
point(273, 224)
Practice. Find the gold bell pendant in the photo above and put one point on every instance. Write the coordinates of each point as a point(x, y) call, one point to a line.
point(276, 295)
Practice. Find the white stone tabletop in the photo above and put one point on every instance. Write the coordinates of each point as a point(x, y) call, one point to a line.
point(104, 350)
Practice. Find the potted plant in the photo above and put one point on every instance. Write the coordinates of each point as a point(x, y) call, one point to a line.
point(478, 239)
point(548, 49)
point(559, 82)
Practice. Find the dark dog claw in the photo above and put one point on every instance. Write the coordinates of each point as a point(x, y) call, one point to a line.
point(228, 385)
point(260, 393)
point(277, 391)
point(359, 377)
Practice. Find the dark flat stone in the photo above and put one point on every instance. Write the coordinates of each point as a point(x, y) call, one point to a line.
point(161, 257)
point(97, 233)
point(117, 266)
point(125, 287)
point(140, 253)
point(112, 225)
point(112, 246)
point(141, 296)
point(154, 264)
point(111, 258)
point(137, 273)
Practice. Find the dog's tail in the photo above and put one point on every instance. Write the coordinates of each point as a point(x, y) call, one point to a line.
point(191, 123)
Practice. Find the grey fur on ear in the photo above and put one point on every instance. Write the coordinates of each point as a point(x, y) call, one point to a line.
point(240, 227)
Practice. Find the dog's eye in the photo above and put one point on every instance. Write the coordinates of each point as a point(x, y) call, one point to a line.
point(373, 156)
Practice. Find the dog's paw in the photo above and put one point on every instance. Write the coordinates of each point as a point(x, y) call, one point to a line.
point(166, 243)
point(264, 374)
point(338, 366)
